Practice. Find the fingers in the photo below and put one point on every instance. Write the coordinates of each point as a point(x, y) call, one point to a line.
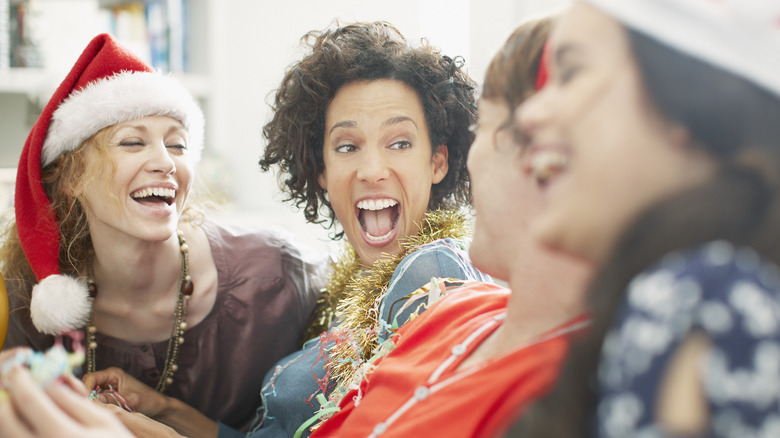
point(110, 376)
point(10, 424)
point(142, 426)
point(75, 385)
point(78, 407)
point(30, 404)
point(11, 352)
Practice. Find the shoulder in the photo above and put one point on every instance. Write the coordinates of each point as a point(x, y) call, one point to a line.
point(470, 299)
point(257, 244)
point(241, 236)
point(445, 258)
point(438, 251)
point(729, 294)
point(715, 272)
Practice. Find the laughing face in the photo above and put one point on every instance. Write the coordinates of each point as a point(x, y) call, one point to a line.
point(379, 164)
point(598, 146)
point(145, 194)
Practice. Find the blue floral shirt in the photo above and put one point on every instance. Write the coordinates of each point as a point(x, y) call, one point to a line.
point(729, 294)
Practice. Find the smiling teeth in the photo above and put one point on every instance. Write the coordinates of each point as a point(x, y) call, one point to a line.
point(376, 204)
point(546, 164)
point(154, 191)
point(380, 238)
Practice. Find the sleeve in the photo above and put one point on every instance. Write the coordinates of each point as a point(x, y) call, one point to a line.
point(446, 258)
point(307, 270)
point(728, 294)
point(225, 431)
point(21, 331)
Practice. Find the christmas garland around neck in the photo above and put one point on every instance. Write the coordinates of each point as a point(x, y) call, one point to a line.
point(353, 294)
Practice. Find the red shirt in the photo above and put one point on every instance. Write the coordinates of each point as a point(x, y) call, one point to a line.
point(415, 391)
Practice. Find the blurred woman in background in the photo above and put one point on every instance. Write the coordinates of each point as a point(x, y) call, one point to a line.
point(663, 117)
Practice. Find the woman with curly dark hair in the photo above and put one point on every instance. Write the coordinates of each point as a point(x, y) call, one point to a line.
point(370, 134)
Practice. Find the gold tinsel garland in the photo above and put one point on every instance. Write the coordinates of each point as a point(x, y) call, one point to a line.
point(355, 294)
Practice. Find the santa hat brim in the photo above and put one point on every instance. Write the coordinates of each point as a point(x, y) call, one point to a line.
point(125, 96)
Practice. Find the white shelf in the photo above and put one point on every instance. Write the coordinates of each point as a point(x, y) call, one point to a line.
point(34, 81)
point(23, 80)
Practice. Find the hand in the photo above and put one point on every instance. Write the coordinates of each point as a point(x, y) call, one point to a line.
point(56, 411)
point(139, 396)
point(7, 354)
point(142, 426)
point(183, 418)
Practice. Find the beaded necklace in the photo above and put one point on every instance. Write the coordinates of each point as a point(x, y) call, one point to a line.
point(179, 316)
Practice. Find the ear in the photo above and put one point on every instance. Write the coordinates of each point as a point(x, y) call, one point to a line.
point(322, 180)
point(440, 163)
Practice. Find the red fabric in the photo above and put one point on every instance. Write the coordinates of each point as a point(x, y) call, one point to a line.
point(36, 222)
point(544, 67)
point(480, 405)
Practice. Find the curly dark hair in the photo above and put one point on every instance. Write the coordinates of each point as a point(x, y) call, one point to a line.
point(365, 51)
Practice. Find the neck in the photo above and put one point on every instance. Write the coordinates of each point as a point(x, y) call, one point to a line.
point(135, 269)
point(548, 290)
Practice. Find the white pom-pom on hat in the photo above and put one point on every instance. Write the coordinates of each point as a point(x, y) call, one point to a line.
point(58, 303)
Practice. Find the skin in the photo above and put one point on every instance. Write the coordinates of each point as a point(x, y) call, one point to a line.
point(497, 228)
point(377, 147)
point(509, 198)
point(65, 406)
point(137, 259)
point(622, 156)
point(148, 153)
point(506, 200)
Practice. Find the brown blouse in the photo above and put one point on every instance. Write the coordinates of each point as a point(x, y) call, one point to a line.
point(267, 289)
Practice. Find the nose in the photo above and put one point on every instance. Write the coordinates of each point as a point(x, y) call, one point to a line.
point(373, 167)
point(533, 113)
point(160, 160)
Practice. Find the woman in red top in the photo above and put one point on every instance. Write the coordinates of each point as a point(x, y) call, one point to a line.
point(484, 352)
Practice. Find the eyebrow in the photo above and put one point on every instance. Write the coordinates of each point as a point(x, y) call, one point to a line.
point(398, 119)
point(344, 124)
point(391, 121)
point(567, 49)
point(141, 127)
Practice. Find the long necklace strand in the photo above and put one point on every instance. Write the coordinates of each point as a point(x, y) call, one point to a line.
point(179, 319)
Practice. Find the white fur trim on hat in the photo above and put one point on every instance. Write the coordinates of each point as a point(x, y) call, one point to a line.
point(739, 36)
point(119, 98)
point(59, 303)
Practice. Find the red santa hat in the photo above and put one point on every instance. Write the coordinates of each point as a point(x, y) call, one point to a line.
point(106, 86)
point(738, 36)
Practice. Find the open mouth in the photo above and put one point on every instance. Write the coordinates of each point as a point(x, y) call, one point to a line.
point(154, 196)
point(546, 164)
point(378, 218)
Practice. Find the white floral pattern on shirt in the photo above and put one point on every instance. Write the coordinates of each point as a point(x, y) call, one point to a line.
point(731, 295)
